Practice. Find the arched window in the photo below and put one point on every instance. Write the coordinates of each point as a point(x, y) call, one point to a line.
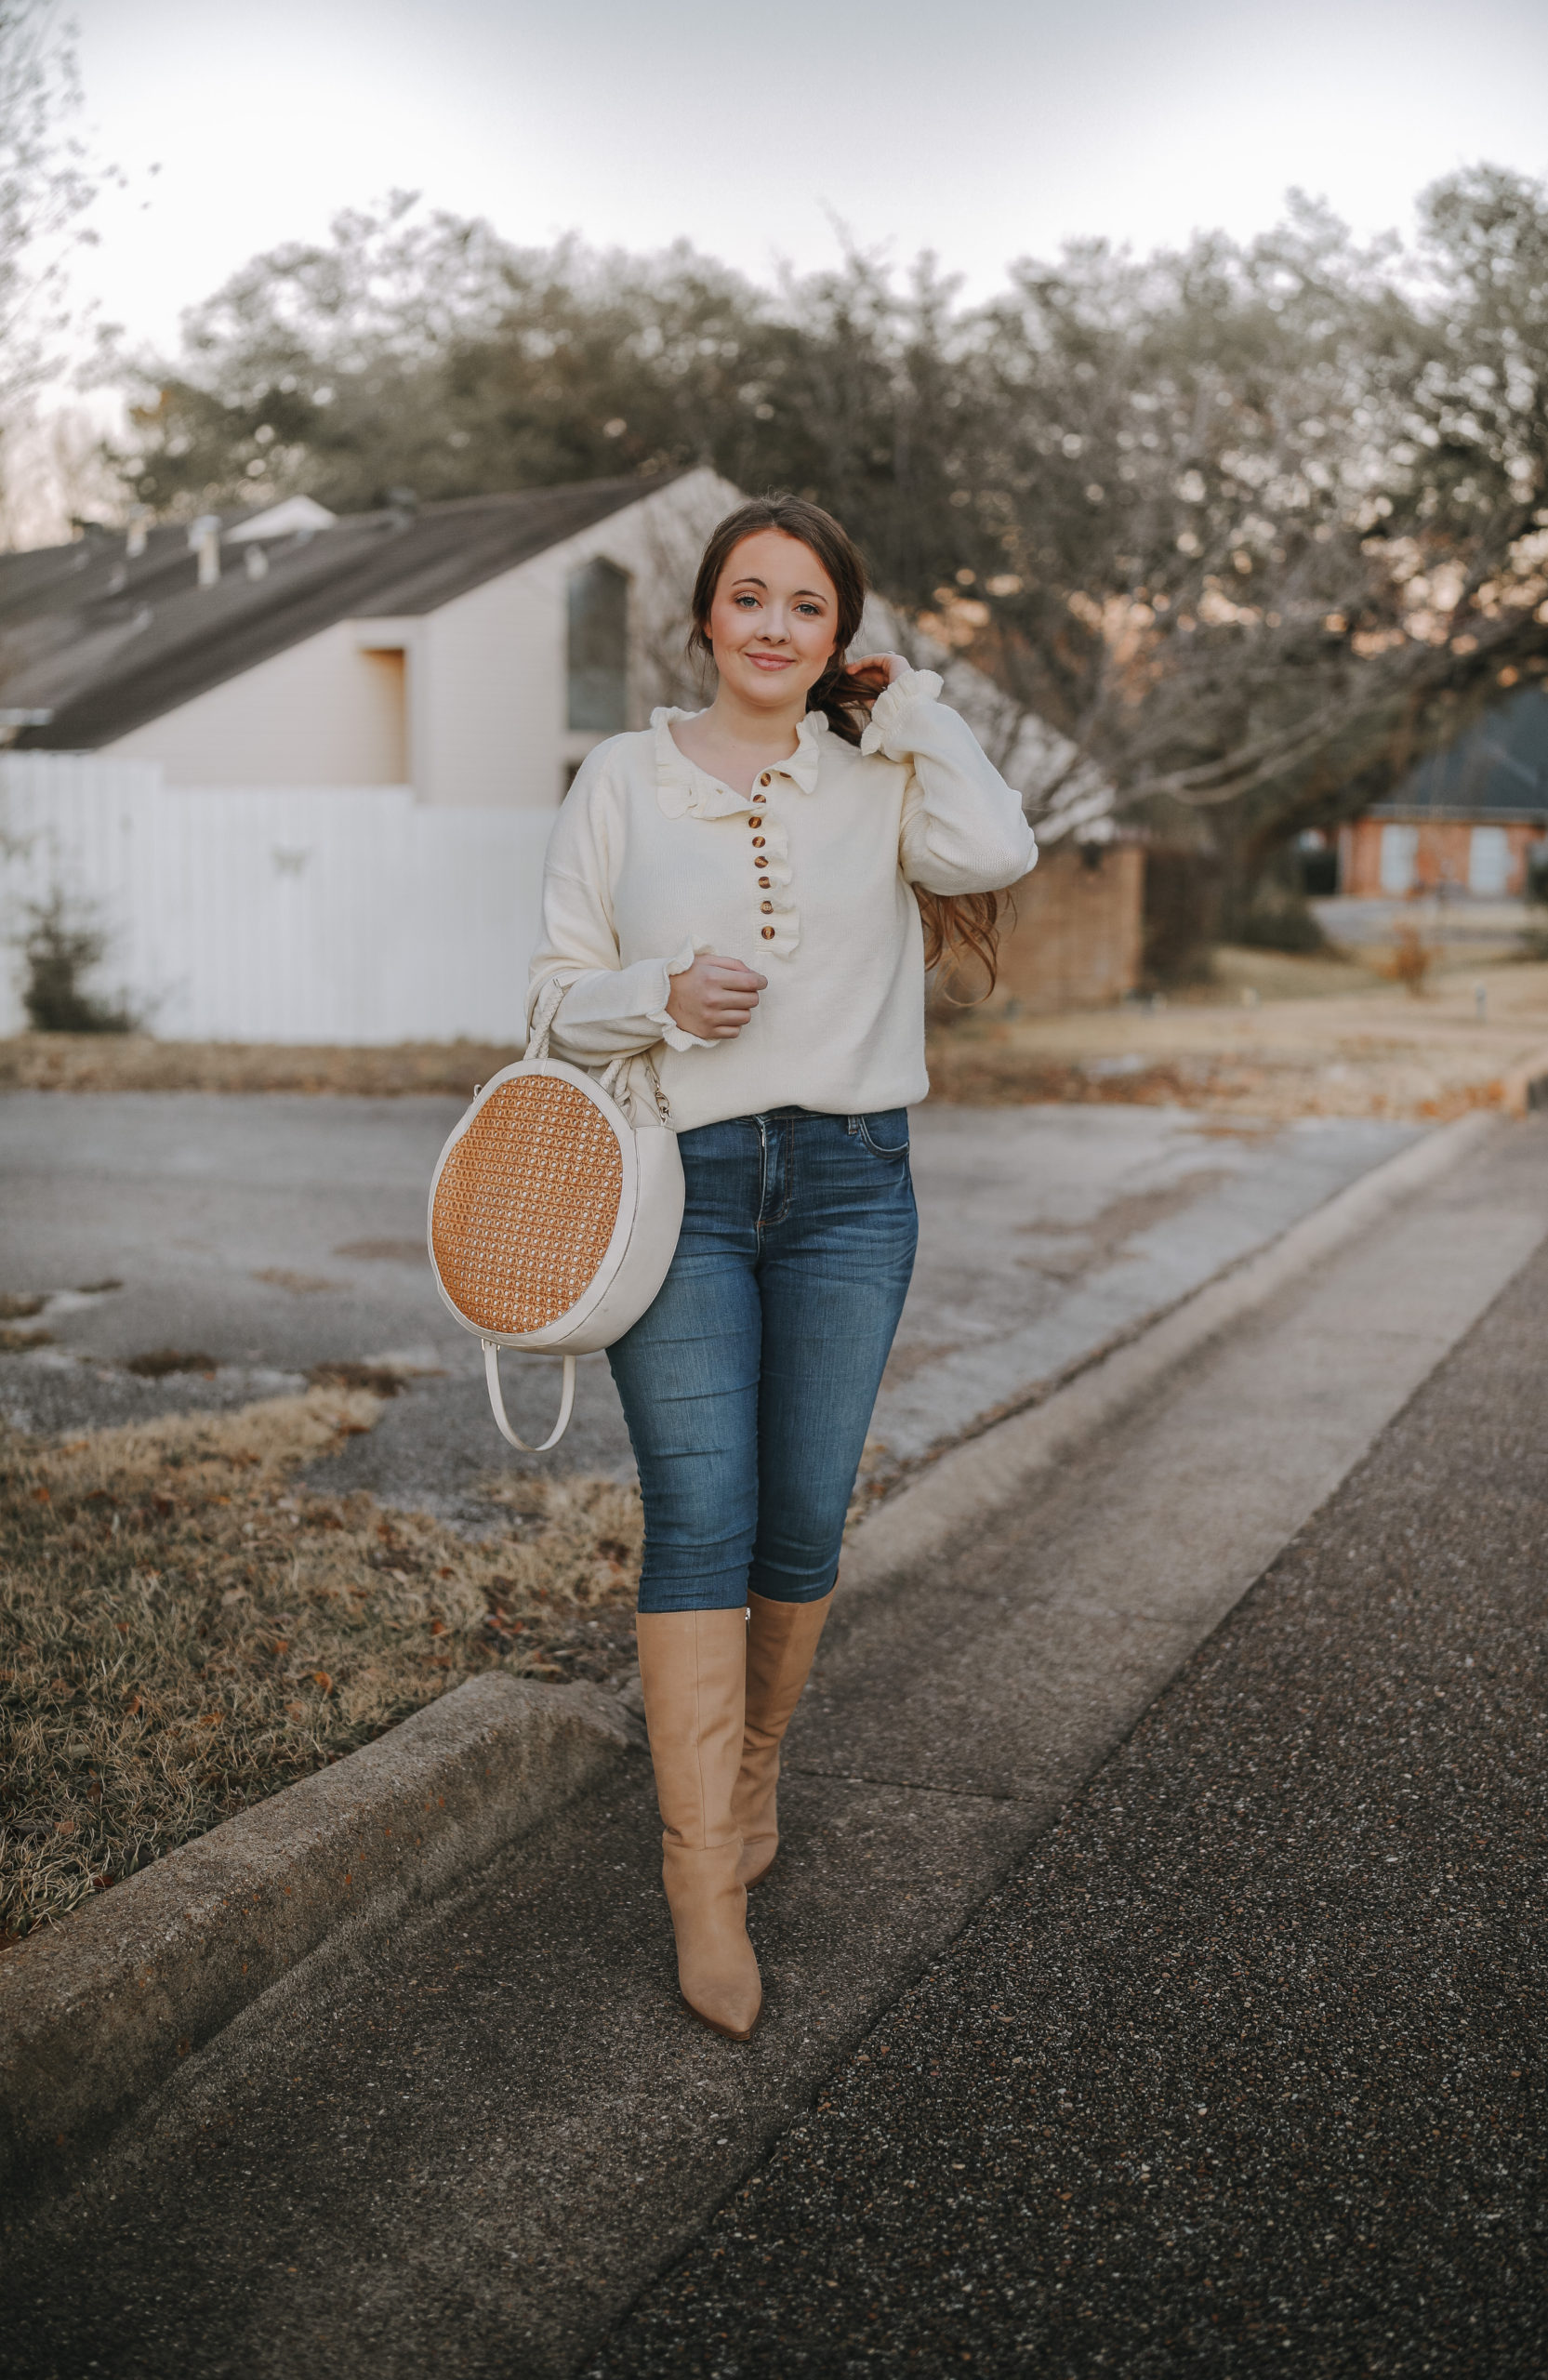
point(598, 654)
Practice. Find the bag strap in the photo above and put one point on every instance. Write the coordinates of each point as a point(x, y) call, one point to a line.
point(492, 1376)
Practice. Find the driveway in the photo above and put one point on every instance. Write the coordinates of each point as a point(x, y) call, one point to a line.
point(267, 1235)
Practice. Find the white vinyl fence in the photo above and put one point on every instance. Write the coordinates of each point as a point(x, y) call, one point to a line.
point(351, 914)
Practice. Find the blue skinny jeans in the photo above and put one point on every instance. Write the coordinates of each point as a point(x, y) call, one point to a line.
point(748, 1385)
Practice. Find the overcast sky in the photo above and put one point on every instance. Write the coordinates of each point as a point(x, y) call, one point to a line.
point(983, 128)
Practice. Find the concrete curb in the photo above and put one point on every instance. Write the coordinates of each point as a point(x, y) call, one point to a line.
point(95, 2013)
point(954, 1495)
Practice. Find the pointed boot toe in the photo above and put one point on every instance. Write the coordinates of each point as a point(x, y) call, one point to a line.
point(692, 1666)
point(717, 1969)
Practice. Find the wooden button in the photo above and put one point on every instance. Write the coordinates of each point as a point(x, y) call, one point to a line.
point(758, 842)
point(764, 778)
point(767, 907)
point(768, 933)
point(763, 882)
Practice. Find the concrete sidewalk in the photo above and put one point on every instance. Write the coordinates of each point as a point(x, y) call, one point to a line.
point(468, 2155)
point(1241, 2071)
point(274, 1233)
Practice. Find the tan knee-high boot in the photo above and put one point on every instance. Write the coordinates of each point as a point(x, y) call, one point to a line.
point(782, 1638)
point(692, 1666)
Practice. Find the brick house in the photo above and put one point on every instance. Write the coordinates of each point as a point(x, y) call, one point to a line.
point(1465, 820)
point(1076, 935)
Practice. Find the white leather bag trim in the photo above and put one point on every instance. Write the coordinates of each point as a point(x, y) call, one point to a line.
point(658, 1222)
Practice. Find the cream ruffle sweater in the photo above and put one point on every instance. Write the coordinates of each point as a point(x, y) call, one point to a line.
point(806, 880)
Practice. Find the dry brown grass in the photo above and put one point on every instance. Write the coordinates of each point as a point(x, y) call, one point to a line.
point(1003, 1078)
point(1274, 1036)
point(135, 1062)
point(1375, 1053)
point(183, 1630)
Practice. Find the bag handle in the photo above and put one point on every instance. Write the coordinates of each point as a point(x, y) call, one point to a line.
point(566, 1402)
point(548, 1004)
point(615, 1073)
point(543, 1016)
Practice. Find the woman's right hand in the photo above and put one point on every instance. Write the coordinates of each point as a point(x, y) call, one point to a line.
point(714, 998)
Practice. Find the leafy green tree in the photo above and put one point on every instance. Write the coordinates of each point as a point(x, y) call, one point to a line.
point(422, 350)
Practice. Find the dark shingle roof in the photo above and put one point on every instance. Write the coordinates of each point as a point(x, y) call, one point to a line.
point(106, 643)
point(1499, 770)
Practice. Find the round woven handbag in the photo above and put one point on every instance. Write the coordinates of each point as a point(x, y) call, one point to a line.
point(552, 1219)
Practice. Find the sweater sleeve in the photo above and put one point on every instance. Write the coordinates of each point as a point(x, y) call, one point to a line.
point(962, 828)
point(608, 1009)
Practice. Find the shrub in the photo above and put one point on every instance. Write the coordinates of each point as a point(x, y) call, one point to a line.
point(1283, 925)
point(1411, 959)
point(58, 954)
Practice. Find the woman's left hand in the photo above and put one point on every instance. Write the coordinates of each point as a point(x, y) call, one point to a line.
point(876, 670)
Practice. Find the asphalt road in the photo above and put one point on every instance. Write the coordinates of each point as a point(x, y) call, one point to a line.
point(1243, 2069)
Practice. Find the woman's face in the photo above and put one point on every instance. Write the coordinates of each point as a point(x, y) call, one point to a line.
point(773, 622)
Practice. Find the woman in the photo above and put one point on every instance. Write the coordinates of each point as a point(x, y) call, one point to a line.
point(739, 890)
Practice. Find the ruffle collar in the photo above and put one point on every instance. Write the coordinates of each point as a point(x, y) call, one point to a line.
point(684, 791)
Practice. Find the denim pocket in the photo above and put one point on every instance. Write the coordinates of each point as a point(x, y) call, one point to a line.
point(885, 1135)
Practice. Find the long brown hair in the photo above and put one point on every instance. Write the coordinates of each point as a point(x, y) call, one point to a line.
point(958, 926)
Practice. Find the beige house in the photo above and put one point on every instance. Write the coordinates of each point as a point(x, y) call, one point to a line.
point(474, 650)
point(300, 771)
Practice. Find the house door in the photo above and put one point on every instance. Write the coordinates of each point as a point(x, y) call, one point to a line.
point(1399, 849)
point(1488, 862)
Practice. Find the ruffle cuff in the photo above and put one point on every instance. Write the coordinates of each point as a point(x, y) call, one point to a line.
point(672, 1032)
point(888, 731)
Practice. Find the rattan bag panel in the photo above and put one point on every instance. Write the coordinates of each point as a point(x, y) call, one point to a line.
point(526, 1205)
